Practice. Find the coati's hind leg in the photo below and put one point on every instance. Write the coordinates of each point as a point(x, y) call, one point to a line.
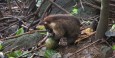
point(71, 40)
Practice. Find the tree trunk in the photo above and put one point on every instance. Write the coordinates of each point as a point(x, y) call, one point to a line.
point(103, 22)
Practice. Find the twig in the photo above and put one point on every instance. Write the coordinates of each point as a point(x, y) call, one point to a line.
point(107, 43)
point(31, 6)
point(30, 32)
point(44, 39)
point(45, 12)
point(9, 6)
point(30, 51)
point(85, 47)
point(95, 6)
point(11, 50)
point(32, 55)
point(59, 7)
point(18, 4)
point(5, 18)
point(82, 5)
point(38, 9)
point(36, 13)
point(8, 26)
point(92, 5)
point(39, 44)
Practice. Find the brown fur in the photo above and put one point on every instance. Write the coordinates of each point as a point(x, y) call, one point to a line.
point(63, 25)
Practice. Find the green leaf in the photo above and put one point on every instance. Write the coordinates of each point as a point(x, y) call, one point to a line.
point(1, 47)
point(11, 57)
point(18, 53)
point(11, 54)
point(49, 53)
point(74, 11)
point(40, 27)
point(113, 47)
point(15, 54)
point(20, 31)
point(113, 27)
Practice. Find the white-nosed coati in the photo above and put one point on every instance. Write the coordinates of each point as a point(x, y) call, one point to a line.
point(63, 25)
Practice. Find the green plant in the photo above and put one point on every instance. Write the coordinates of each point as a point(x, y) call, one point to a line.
point(20, 31)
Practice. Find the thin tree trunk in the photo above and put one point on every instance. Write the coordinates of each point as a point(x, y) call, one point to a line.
point(103, 22)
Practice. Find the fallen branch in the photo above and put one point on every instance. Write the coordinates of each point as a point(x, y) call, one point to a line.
point(25, 41)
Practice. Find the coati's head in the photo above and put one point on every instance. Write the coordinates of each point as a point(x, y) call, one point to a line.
point(48, 24)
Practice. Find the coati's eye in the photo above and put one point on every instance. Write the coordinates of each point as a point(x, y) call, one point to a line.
point(45, 22)
point(48, 29)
